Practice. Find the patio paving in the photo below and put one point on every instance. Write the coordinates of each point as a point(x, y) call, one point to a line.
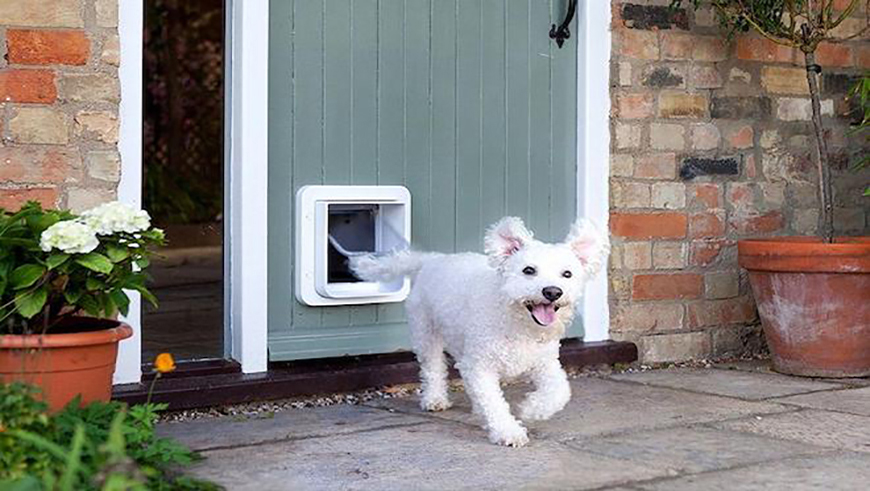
point(728, 427)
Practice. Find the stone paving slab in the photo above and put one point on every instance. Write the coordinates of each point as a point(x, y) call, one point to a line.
point(829, 472)
point(601, 406)
point(284, 425)
point(827, 429)
point(766, 366)
point(855, 401)
point(692, 450)
point(741, 384)
point(440, 456)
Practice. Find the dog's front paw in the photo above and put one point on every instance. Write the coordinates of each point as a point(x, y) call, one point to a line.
point(435, 404)
point(515, 436)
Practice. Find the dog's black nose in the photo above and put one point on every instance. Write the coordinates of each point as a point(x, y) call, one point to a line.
point(552, 293)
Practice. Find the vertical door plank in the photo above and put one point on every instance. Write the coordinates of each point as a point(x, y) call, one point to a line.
point(518, 127)
point(308, 116)
point(417, 122)
point(539, 114)
point(443, 121)
point(280, 188)
point(468, 126)
point(493, 140)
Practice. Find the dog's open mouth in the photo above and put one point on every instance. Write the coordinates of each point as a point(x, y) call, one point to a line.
point(543, 313)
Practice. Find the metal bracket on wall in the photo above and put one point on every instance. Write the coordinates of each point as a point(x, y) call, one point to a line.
point(562, 33)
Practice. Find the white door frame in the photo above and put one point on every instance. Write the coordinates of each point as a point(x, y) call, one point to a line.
point(593, 147)
point(247, 130)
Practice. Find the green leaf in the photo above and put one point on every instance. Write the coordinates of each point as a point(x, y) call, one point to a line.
point(72, 295)
point(96, 262)
point(30, 303)
point(117, 253)
point(90, 304)
point(93, 284)
point(143, 262)
point(26, 275)
point(56, 260)
point(121, 301)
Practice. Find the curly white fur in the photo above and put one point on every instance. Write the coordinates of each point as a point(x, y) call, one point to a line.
point(498, 315)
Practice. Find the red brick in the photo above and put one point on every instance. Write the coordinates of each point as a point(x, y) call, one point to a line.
point(704, 252)
point(741, 194)
point(706, 225)
point(12, 199)
point(634, 106)
point(648, 225)
point(760, 49)
point(828, 54)
point(30, 47)
point(707, 195)
point(634, 43)
point(862, 56)
point(758, 224)
point(677, 46)
point(37, 165)
point(741, 137)
point(36, 86)
point(656, 166)
point(667, 286)
point(739, 310)
point(709, 48)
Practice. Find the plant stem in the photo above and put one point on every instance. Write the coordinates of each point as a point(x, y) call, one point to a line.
point(826, 217)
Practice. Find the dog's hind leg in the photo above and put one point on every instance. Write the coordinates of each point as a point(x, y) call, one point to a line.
point(429, 348)
point(552, 392)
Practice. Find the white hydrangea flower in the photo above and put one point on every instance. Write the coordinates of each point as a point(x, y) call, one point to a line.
point(70, 236)
point(114, 217)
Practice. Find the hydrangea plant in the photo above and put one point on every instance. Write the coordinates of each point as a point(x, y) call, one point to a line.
point(55, 265)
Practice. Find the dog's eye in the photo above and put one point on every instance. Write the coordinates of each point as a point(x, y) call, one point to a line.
point(567, 274)
point(529, 270)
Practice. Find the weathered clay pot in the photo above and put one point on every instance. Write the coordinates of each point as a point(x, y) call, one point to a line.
point(814, 302)
point(65, 365)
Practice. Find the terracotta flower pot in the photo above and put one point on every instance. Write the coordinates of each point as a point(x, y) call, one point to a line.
point(65, 365)
point(814, 302)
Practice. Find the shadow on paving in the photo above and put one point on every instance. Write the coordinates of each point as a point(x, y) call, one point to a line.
point(666, 429)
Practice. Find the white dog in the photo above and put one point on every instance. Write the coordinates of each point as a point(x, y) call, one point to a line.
point(499, 315)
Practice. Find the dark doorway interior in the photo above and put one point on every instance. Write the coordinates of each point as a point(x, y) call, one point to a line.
point(183, 161)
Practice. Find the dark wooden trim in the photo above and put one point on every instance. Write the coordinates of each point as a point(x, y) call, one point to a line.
point(189, 389)
point(196, 368)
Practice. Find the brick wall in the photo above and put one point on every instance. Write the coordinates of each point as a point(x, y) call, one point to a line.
point(712, 142)
point(59, 90)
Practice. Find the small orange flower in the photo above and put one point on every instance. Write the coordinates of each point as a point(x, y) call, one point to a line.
point(164, 363)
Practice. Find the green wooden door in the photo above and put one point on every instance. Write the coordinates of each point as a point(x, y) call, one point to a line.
point(466, 102)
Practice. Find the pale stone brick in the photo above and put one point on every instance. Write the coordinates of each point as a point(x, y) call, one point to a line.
point(705, 77)
point(624, 73)
point(721, 285)
point(104, 165)
point(793, 109)
point(39, 125)
point(669, 255)
point(663, 136)
point(668, 195)
point(675, 347)
point(627, 135)
point(107, 12)
point(42, 13)
point(774, 194)
point(705, 136)
point(630, 195)
point(769, 138)
point(103, 124)
point(621, 165)
point(806, 221)
point(81, 199)
point(111, 54)
point(637, 255)
point(738, 75)
point(90, 87)
point(784, 80)
point(648, 317)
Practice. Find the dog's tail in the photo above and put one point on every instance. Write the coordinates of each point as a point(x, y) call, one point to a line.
point(386, 268)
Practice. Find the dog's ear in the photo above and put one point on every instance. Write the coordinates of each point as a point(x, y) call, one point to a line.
point(590, 245)
point(505, 238)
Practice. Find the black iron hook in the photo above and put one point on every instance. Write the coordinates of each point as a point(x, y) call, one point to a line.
point(562, 33)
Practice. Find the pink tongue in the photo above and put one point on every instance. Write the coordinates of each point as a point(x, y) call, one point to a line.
point(544, 313)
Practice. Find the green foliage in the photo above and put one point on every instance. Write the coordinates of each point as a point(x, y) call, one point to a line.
point(39, 289)
point(100, 446)
point(860, 93)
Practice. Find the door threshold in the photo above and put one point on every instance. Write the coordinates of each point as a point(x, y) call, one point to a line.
point(220, 382)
